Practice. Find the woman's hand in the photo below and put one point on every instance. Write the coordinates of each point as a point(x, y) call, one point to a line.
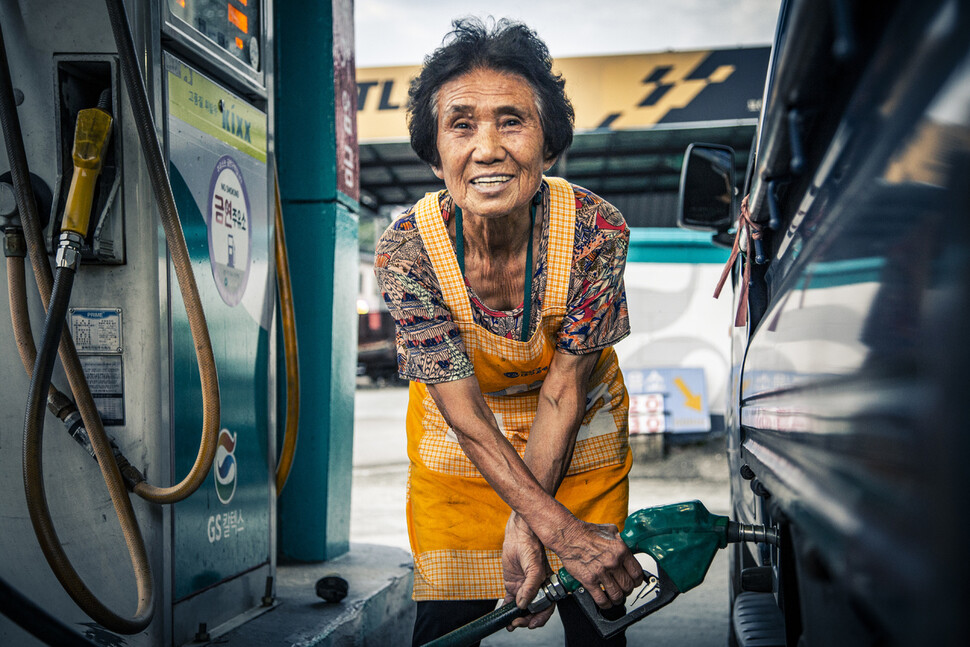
point(596, 555)
point(524, 568)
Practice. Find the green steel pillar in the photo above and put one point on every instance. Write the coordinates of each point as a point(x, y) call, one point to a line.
point(316, 147)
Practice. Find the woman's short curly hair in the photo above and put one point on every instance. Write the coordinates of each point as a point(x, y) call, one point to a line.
point(504, 46)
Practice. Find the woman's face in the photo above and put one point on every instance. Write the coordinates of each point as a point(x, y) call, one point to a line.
point(490, 142)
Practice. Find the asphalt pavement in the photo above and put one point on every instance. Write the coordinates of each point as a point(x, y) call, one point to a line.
point(698, 618)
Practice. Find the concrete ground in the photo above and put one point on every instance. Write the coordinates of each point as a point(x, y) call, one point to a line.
point(375, 613)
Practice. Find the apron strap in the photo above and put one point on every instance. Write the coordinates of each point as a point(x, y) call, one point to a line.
point(438, 244)
point(562, 235)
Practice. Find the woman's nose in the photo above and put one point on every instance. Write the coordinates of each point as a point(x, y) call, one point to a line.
point(488, 146)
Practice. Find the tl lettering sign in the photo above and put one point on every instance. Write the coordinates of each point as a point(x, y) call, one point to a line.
point(625, 92)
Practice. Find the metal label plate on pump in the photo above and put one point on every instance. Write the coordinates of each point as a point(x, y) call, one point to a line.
point(97, 334)
point(96, 330)
point(106, 378)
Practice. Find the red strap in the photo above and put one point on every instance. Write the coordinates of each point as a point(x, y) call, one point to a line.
point(753, 233)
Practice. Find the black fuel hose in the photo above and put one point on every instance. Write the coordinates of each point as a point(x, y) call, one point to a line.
point(478, 629)
point(37, 506)
point(57, 403)
point(40, 378)
point(36, 621)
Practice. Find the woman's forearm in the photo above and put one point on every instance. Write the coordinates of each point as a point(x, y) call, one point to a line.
point(466, 412)
point(553, 438)
point(528, 486)
point(559, 415)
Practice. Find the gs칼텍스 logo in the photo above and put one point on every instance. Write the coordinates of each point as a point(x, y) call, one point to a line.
point(225, 466)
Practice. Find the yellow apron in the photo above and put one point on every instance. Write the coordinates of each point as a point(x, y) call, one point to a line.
point(456, 521)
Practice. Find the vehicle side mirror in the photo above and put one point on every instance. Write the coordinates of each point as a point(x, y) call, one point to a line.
point(707, 189)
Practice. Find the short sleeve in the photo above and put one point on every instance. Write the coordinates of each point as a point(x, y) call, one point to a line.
point(429, 344)
point(596, 316)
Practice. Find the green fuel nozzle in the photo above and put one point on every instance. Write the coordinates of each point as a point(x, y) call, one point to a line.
point(682, 538)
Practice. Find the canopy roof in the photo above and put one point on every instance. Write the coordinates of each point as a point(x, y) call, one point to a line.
point(635, 116)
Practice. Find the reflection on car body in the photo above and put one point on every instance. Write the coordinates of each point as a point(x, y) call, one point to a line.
point(847, 415)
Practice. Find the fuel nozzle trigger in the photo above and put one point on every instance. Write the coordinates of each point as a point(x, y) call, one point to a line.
point(661, 583)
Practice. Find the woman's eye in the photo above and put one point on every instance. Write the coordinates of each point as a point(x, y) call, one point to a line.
point(512, 122)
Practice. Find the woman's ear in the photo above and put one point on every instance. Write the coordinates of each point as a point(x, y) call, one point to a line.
point(437, 172)
point(549, 163)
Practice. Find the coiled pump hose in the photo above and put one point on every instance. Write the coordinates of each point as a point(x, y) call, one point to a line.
point(34, 483)
point(162, 190)
point(33, 470)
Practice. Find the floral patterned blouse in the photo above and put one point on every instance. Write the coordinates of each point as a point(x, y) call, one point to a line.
point(597, 311)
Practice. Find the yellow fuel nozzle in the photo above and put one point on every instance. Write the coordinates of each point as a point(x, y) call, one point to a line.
point(90, 145)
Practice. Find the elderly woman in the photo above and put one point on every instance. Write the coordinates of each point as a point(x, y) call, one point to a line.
point(507, 289)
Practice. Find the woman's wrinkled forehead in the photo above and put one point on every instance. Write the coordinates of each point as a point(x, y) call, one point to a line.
point(437, 91)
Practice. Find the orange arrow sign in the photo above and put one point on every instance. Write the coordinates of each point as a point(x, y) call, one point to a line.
point(692, 401)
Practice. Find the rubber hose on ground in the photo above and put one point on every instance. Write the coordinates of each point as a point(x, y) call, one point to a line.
point(291, 351)
point(182, 263)
point(37, 498)
point(478, 629)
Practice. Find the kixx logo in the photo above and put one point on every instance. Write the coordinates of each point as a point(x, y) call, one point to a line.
point(225, 466)
point(235, 124)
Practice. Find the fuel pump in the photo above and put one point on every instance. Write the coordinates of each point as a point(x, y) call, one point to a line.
point(175, 97)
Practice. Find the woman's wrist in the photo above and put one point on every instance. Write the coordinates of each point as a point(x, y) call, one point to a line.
point(553, 526)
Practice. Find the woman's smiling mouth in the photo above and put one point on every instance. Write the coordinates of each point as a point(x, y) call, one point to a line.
point(491, 181)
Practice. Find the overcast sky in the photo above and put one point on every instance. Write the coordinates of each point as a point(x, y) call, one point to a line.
point(402, 32)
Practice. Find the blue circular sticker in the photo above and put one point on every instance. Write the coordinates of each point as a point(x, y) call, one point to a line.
point(230, 243)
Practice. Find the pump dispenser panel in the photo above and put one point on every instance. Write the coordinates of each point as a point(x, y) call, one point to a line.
point(233, 26)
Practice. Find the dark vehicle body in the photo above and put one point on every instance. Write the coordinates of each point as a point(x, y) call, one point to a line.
point(847, 423)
